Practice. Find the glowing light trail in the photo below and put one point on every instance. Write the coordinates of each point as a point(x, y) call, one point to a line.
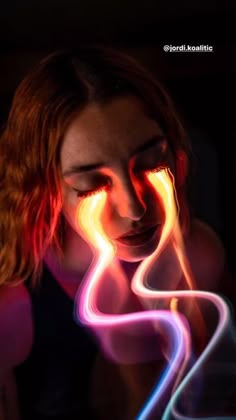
point(89, 215)
point(89, 219)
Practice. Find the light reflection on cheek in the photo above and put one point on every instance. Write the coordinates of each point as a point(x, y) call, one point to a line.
point(114, 224)
point(109, 215)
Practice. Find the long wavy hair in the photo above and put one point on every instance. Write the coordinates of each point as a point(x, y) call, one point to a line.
point(43, 106)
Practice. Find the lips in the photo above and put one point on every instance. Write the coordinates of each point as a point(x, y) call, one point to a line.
point(138, 236)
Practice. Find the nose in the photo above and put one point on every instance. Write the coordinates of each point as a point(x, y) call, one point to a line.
point(129, 201)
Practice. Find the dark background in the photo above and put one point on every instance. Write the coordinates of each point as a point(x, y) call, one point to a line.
point(201, 84)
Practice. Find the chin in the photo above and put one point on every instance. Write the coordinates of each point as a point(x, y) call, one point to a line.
point(135, 254)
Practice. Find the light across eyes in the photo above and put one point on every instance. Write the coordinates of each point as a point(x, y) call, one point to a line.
point(157, 169)
point(150, 162)
point(105, 184)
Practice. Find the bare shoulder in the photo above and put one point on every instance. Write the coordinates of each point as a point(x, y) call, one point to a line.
point(16, 326)
point(206, 255)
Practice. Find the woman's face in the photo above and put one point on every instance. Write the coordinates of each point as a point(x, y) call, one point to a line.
point(113, 146)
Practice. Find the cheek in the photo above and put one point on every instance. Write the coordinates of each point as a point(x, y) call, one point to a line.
point(69, 210)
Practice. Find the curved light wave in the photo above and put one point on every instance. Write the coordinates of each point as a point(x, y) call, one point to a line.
point(175, 323)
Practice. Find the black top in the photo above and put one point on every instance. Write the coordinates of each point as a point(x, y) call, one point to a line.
point(66, 376)
point(54, 381)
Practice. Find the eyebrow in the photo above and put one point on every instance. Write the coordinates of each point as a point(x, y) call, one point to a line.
point(77, 169)
point(153, 141)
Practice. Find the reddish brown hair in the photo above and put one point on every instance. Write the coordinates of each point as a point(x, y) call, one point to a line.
point(44, 104)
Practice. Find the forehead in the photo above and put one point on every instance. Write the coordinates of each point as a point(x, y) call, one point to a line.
point(107, 132)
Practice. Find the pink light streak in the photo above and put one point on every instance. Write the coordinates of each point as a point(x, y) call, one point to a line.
point(172, 321)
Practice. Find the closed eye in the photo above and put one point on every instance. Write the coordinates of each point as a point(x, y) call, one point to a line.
point(88, 193)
